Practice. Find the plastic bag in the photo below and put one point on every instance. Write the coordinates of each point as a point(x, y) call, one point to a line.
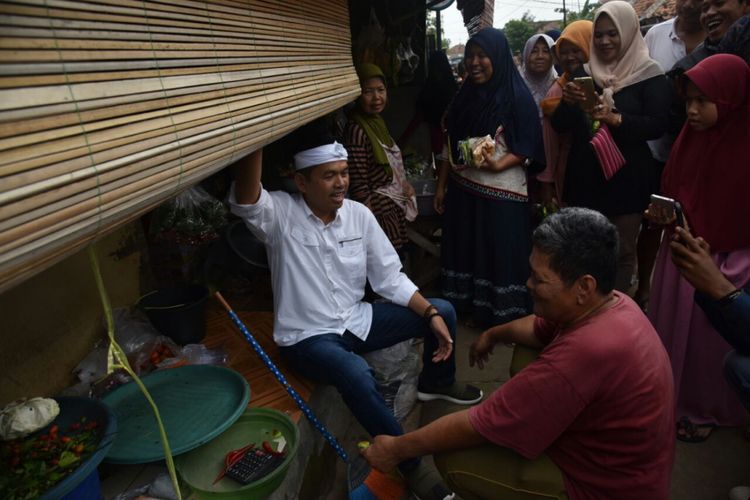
point(146, 350)
point(370, 46)
point(406, 61)
point(191, 217)
point(471, 150)
point(133, 331)
point(159, 489)
point(396, 369)
point(198, 354)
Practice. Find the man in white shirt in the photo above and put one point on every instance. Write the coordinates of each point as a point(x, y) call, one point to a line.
point(322, 248)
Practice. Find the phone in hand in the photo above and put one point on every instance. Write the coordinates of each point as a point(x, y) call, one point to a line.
point(586, 83)
point(669, 205)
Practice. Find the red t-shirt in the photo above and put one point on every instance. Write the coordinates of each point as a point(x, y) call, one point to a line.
point(598, 401)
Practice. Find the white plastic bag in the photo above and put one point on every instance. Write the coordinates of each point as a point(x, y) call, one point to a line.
point(396, 369)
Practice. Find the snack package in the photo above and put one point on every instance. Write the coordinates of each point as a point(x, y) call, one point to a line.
point(471, 150)
point(24, 416)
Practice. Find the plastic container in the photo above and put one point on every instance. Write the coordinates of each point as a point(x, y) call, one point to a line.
point(425, 190)
point(250, 250)
point(196, 403)
point(89, 489)
point(83, 483)
point(199, 467)
point(178, 311)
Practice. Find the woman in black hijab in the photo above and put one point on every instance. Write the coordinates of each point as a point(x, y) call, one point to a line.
point(486, 225)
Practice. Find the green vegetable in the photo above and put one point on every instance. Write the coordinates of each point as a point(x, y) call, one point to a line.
point(32, 465)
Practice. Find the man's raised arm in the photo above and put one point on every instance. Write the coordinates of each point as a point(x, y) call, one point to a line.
point(247, 178)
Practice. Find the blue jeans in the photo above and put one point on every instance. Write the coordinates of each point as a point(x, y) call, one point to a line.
point(737, 373)
point(334, 359)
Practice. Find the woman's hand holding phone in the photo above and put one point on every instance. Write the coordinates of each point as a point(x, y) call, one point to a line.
point(664, 211)
point(692, 257)
point(601, 111)
point(573, 94)
point(659, 215)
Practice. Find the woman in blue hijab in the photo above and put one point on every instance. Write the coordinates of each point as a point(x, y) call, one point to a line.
point(483, 198)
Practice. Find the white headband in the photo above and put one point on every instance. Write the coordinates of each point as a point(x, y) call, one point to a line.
point(317, 156)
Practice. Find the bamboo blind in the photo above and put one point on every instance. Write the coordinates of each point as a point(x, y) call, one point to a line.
point(110, 107)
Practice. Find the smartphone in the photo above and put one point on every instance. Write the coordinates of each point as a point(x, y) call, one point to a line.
point(587, 85)
point(669, 204)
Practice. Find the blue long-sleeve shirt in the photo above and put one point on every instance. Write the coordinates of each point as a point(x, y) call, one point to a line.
point(731, 321)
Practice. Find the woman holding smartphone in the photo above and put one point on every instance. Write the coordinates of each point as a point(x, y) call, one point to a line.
point(572, 50)
point(634, 108)
point(707, 173)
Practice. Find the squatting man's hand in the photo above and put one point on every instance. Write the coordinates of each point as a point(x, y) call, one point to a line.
point(481, 348)
point(382, 453)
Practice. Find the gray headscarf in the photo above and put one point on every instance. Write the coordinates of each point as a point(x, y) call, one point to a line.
point(538, 86)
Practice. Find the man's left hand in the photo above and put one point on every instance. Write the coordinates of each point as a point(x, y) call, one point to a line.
point(445, 343)
point(382, 453)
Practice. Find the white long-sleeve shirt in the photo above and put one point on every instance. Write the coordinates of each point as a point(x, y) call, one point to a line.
point(318, 270)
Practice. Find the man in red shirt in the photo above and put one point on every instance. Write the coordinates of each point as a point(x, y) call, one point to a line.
point(591, 417)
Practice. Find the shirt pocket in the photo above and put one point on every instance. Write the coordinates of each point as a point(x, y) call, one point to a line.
point(305, 238)
point(350, 247)
point(352, 255)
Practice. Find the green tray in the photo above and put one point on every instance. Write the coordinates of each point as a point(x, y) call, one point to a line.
point(199, 467)
point(196, 404)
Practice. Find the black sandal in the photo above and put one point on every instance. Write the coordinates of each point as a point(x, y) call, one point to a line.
point(689, 432)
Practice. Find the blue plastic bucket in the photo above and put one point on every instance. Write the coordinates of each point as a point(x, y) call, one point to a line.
point(89, 489)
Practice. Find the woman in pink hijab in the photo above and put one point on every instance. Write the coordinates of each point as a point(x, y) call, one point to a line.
point(708, 174)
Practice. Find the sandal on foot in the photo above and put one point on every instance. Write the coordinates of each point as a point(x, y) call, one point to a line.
point(690, 432)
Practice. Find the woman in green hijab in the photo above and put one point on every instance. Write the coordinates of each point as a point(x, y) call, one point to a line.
point(376, 169)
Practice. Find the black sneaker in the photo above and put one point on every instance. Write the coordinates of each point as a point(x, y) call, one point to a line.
point(426, 484)
point(458, 393)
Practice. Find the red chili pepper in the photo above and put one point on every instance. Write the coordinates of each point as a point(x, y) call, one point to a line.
point(54, 429)
point(65, 439)
point(75, 426)
point(269, 449)
point(231, 458)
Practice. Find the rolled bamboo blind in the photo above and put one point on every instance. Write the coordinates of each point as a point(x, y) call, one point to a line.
point(110, 107)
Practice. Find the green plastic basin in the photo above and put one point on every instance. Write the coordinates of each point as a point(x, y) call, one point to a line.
point(196, 403)
point(199, 467)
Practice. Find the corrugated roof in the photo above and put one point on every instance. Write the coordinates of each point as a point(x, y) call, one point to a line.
point(647, 9)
